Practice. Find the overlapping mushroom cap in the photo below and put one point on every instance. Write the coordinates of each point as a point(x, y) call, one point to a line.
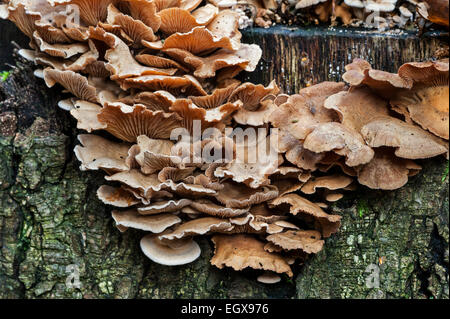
point(185, 145)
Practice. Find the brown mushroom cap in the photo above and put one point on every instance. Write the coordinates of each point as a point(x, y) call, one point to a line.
point(169, 206)
point(329, 224)
point(155, 224)
point(170, 254)
point(410, 141)
point(344, 141)
point(428, 102)
point(199, 226)
point(210, 208)
point(332, 182)
point(307, 240)
point(117, 197)
point(242, 251)
point(385, 171)
point(97, 152)
point(240, 196)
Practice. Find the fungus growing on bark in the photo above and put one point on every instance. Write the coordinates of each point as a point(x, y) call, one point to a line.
point(142, 74)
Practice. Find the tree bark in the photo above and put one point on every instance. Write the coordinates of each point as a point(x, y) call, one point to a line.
point(51, 222)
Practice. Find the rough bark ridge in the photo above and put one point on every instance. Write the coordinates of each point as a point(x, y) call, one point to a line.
point(51, 220)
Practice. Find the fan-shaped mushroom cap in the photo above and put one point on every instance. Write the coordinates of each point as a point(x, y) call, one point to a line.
point(73, 82)
point(216, 99)
point(175, 174)
point(118, 197)
point(307, 240)
point(155, 101)
point(127, 123)
point(304, 111)
point(134, 30)
point(240, 196)
point(226, 24)
point(329, 224)
point(175, 20)
point(122, 65)
point(360, 72)
point(86, 114)
point(199, 226)
point(332, 182)
point(251, 95)
point(256, 118)
point(357, 107)
point(210, 208)
point(170, 254)
point(97, 152)
point(145, 11)
point(410, 141)
point(385, 171)
point(155, 224)
point(60, 50)
point(159, 62)
point(169, 206)
point(197, 41)
point(344, 141)
point(428, 102)
point(242, 251)
point(333, 196)
point(295, 151)
point(173, 84)
point(206, 67)
point(269, 278)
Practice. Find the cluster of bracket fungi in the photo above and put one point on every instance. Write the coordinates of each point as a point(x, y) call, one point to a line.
point(137, 70)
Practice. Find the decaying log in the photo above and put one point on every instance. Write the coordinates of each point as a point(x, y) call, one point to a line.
point(52, 225)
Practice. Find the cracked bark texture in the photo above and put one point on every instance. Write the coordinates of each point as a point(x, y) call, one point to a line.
point(51, 219)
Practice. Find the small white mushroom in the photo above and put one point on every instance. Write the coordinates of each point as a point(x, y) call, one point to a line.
point(173, 253)
point(269, 278)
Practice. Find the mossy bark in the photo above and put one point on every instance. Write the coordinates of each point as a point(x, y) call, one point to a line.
point(52, 223)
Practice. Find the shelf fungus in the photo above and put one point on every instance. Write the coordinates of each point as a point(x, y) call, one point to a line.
point(190, 151)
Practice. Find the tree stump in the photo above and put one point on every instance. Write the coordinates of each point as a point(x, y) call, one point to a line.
point(53, 229)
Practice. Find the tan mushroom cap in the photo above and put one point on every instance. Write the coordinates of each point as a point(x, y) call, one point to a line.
point(170, 254)
point(169, 206)
point(307, 240)
point(146, 11)
point(256, 118)
point(251, 95)
point(73, 82)
point(175, 20)
point(91, 11)
point(206, 67)
point(295, 152)
point(304, 111)
point(175, 174)
point(199, 226)
point(210, 208)
point(226, 24)
point(428, 102)
point(242, 251)
point(357, 107)
point(342, 140)
point(60, 50)
point(197, 41)
point(135, 30)
point(329, 224)
point(174, 84)
point(155, 224)
point(127, 123)
point(117, 197)
point(240, 196)
point(386, 171)
point(155, 101)
point(159, 62)
point(332, 182)
point(217, 98)
point(410, 141)
point(86, 115)
point(99, 153)
point(307, 3)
